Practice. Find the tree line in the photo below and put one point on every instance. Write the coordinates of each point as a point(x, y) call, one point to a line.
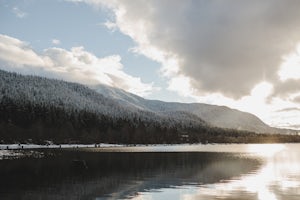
point(39, 123)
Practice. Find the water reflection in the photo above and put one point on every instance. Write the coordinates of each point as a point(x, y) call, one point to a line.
point(278, 179)
point(251, 172)
point(115, 175)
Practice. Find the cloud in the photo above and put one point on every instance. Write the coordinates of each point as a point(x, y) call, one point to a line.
point(19, 13)
point(17, 52)
point(76, 65)
point(289, 68)
point(55, 41)
point(296, 99)
point(110, 25)
point(286, 89)
point(220, 46)
point(289, 109)
point(295, 126)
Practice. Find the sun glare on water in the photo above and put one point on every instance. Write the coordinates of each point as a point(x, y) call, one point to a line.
point(267, 150)
point(276, 179)
point(260, 183)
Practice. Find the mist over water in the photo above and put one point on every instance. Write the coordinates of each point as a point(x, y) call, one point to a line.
point(164, 172)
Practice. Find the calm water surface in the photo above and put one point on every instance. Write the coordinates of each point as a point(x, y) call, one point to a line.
point(229, 172)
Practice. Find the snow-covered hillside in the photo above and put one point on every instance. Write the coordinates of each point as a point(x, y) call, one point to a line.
point(76, 97)
point(219, 116)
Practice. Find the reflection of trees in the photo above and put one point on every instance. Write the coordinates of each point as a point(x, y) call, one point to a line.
point(118, 174)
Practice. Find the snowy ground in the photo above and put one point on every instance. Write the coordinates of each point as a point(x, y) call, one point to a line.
point(54, 146)
point(12, 151)
point(9, 154)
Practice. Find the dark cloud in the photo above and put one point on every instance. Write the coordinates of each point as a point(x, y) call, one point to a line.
point(297, 99)
point(286, 88)
point(291, 109)
point(224, 46)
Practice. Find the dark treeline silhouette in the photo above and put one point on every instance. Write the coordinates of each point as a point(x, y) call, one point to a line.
point(20, 122)
point(38, 123)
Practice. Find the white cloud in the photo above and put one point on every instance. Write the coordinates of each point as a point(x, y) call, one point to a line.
point(110, 25)
point(55, 41)
point(181, 84)
point(17, 52)
point(290, 68)
point(76, 65)
point(19, 13)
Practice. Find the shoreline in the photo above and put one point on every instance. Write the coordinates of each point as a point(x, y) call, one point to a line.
point(107, 145)
point(55, 146)
point(265, 150)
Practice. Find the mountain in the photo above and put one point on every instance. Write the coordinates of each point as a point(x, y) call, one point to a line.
point(37, 109)
point(219, 116)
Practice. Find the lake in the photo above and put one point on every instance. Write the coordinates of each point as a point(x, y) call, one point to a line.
point(228, 172)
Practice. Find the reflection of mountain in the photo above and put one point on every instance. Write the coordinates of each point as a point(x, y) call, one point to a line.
point(117, 175)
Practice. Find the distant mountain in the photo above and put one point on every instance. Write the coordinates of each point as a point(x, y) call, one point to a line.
point(219, 116)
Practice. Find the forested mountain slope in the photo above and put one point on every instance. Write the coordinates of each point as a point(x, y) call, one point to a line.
point(38, 105)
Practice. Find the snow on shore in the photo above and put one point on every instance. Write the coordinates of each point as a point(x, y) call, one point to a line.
point(54, 146)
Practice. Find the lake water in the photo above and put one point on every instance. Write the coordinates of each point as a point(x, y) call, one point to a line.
point(228, 172)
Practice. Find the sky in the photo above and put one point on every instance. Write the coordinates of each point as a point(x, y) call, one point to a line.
point(241, 54)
